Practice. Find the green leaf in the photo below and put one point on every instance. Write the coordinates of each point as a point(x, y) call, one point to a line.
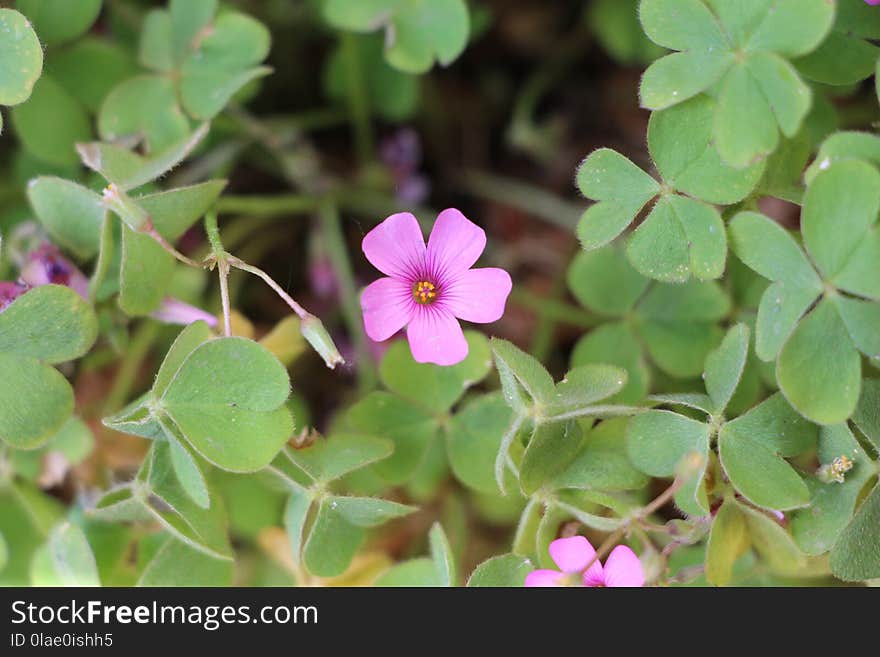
point(680, 76)
point(161, 494)
point(223, 61)
point(679, 238)
point(59, 21)
point(518, 369)
point(332, 542)
point(779, 312)
point(775, 424)
point(856, 555)
point(408, 427)
point(867, 415)
point(604, 281)
point(296, 513)
point(369, 511)
point(155, 49)
point(191, 337)
point(127, 170)
point(789, 97)
point(817, 527)
point(841, 204)
point(772, 542)
point(412, 46)
point(434, 387)
point(680, 348)
point(770, 250)
point(177, 564)
point(503, 570)
point(72, 214)
point(862, 320)
point(51, 323)
point(657, 441)
point(415, 572)
point(759, 474)
point(21, 57)
point(745, 127)
point(551, 449)
point(681, 25)
point(90, 68)
point(187, 469)
point(441, 555)
point(174, 211)
point(616, 344)
point(232, 415)
point(819, 369)
point(793, 27)
point(473, 441)
point(728, 539)
point(329, 459)
point(51, 122)
point(844, 145)
point(725, 365)
point(602, 462)
point(679, 139)
point(691, 302)
point(145, 274)
point(621, 188)
point(585, 385)
point(66, 560)
point(188, 18)
point(146, 107)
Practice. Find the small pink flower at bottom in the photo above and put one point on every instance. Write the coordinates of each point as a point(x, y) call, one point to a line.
point(9, 292)
point(46, 266)
point(428, 289)
point(572, 555)
point(175, 311)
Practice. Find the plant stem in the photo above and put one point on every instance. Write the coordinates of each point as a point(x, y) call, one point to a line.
point(334, 240)
point(256, 271)
point(135, 353)
point(358, 98)
point(220, 257)
point(150, 230)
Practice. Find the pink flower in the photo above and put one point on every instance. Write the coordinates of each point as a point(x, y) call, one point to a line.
point(428, 289)
point(9, 292)
point(47, 266)
point(572, 555)
point(175, 311)
point(873, 2)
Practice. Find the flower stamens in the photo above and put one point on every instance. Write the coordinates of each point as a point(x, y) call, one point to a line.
point(424, 292)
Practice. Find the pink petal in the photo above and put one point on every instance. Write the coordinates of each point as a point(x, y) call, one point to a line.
point(571, 554)
point(454, 245)
point(175, 311)
point(435, 336)
point(623, 568)
point(478, 295)
point(594, 575)
point(544, 578)
point(388, 306)
point(396, 247)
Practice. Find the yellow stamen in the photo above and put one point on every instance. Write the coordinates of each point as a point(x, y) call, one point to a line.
point(424, 292)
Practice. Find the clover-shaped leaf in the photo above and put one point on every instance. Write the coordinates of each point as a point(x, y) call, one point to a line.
point(177, 564)
point(71, 213)
point(682, 235)
point(413, 412)
point(818, 365)
point(59, 21)
point(325, 529)
point(676, 325)
point(65, 560)
point(417, 32)
point(22, 58)
point(743, 51)
point(230, 414)
point(438, 570)
point(45, 326)
point(847, 55)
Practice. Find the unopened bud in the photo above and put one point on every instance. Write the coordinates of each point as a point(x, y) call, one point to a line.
point(316, 335)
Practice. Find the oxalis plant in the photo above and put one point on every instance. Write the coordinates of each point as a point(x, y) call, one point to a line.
point(700, 401)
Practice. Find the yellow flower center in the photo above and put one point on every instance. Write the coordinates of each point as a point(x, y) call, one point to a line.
point(424, 292)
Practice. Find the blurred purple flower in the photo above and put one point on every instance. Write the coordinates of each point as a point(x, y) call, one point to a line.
point(46, 266)
point(572, 555)
point(429, 289)
point(175, 311)
point(873, 2)
point(9, 292)
point(402, 154)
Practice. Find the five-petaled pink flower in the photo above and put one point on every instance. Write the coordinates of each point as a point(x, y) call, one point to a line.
point(573, 555)
point(427, 289)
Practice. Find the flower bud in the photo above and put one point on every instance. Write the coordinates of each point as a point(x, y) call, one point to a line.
point(316, 335)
